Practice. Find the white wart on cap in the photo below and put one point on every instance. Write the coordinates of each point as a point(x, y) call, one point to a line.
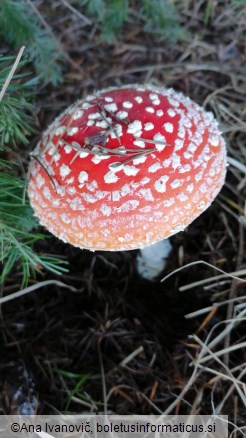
point(126, 167)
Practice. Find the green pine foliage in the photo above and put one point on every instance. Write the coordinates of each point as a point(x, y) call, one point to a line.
point(238, 3)
point(94, 8)
point(115, 15)
point(161, 17)
point(16, 235)
point(19, 25)
point(157, 16)
point(16, 216)
point(110, 15)
point(16, 121)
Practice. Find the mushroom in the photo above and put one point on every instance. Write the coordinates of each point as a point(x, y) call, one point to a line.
point(125, 168)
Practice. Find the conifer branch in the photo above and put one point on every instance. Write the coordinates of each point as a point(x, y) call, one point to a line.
point(19, 25)
point(15, 121)
point(16, 216)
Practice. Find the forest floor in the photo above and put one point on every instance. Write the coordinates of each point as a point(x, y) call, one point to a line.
point(119, 343)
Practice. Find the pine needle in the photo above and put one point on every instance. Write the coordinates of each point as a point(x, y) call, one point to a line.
point(12, 72)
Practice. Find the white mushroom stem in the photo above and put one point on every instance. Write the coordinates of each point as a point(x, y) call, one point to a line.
point(152, 259)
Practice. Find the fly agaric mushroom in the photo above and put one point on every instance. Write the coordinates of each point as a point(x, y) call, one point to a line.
point(125, 168)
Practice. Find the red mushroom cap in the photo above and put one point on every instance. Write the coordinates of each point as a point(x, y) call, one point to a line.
point(126, 167)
